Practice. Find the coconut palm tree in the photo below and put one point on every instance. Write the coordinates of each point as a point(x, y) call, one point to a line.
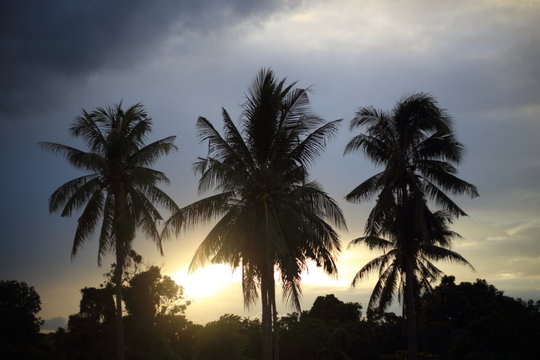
point(416, 145)
point(434, 246)
point(120, 189)
point(271, 216)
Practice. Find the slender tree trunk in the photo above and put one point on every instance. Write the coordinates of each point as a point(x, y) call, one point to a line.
point(266, 319)
point(275, 333)
point(411, 312)
point(118, 287)
point(408, 242)
point(120, 247)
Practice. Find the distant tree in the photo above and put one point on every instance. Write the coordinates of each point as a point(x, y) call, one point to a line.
point(416, 145)
point(330, 308)
point(19, 305)
point(271, 216)
point(150, 294)
point(91, 330)
point(222, 339)
point(323, 332)
point(120, 190)
point(477, 321)
point(156, 327)
point(304, 338)
point(97, 304)
point(155, 324)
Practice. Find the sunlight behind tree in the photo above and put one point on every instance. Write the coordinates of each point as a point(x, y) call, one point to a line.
point(207, 281)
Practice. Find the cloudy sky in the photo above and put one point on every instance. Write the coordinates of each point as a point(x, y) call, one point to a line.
point(182, 59)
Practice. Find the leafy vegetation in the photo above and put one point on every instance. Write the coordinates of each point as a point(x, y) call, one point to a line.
point(457, 321)
point(19, 305)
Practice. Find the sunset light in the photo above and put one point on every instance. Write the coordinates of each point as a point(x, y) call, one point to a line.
point(206, 281)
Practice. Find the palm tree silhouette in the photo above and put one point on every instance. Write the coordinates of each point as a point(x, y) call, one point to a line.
point(271, 216)
point(432, 246)
point(416, 145)
point(120, 189)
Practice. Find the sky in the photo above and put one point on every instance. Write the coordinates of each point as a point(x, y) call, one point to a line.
point(479, 59)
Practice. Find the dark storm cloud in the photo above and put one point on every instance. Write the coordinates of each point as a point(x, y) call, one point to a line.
point(48, 44)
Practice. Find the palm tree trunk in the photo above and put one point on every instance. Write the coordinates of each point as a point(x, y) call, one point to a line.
point(118, 287)
point(119, 231)
point(266, 319)
point(411, 312)
point(275, 334)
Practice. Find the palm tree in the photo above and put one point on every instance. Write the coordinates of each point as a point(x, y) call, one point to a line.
point(416, 145)
point(391, 265)
point(271, 216)
point(120, 188)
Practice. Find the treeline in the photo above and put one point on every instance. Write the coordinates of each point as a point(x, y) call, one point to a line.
point(456, 321)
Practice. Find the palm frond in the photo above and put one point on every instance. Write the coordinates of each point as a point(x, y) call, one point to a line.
point(213, 242)
point(442, 199)
point(151, 152)
point(372, 242)
point(86, 127)
point(88, 220)
point(292, 293)
point(61, 195)
point(79, 159)
point(372, 265)
point(77, 198)
point(198, 212)
point(314, 144)
point(366, 189)
point(106, 236)
point(443, 174)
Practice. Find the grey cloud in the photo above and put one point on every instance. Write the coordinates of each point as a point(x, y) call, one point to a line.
point(504, 249)
point(511, 240)
point(60, 42)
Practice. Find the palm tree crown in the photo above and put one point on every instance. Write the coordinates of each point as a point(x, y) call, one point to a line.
point(416, 145)
point(120, 188)
point(271, 214)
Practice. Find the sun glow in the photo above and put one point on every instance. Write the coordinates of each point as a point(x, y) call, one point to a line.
point(206, 281)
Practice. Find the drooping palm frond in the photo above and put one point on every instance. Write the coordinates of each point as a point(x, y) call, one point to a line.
point(151, 152)
point(314, 143)
point(79, 159)
point(88, 220)
point(198, 212)
point(366, 190)
point(78, 197)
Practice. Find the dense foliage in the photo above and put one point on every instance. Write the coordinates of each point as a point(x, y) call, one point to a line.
point(458, 321)
point(19, 305)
